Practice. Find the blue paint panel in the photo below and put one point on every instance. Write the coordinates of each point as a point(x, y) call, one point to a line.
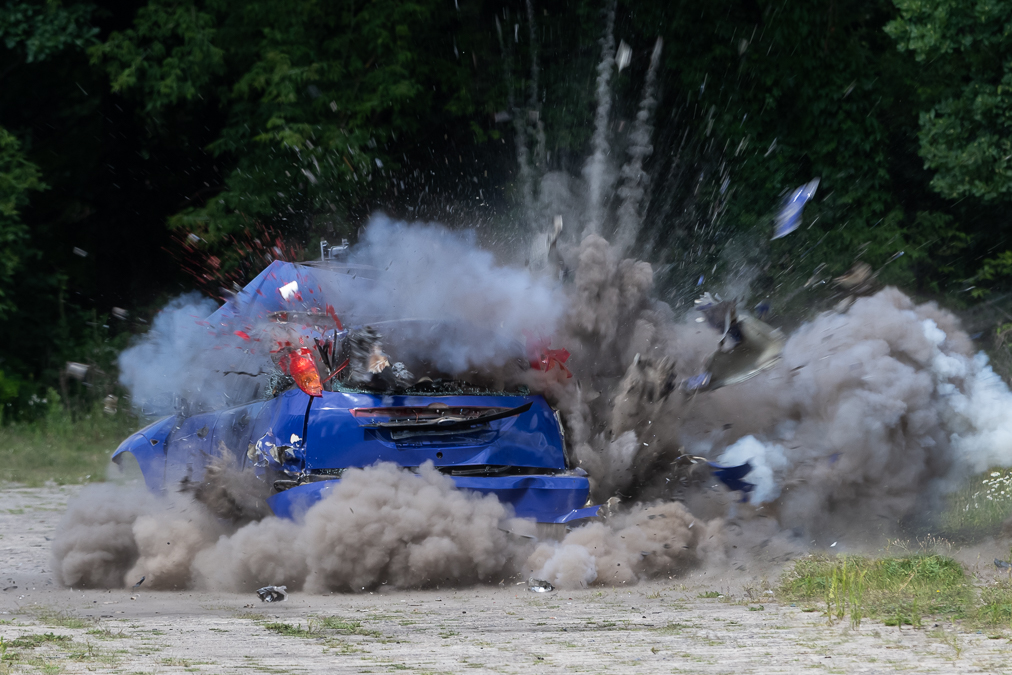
point(544, 498)
point(547, 499)
point(150, 456)
point(336, 439)
point(188, 447)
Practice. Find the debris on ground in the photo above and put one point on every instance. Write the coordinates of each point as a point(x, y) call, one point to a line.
point(273, 593)
point(539, 586)
point(1002, 564)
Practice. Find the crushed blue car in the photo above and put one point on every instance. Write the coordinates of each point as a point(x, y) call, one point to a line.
point(306, 398)
point(329, 399)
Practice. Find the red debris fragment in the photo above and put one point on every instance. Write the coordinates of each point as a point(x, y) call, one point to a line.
point(333, 315)
point(543, 357)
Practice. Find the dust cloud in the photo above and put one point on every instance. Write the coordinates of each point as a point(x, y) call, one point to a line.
point(869, 417)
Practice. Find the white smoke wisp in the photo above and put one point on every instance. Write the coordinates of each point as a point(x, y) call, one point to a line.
point(635, 181)
point(181, 357)
point(596, 170)
point(526, 172)
point(430, 272)
point(533, 103)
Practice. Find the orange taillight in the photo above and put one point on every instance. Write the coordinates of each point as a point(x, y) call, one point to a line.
point(302, 368)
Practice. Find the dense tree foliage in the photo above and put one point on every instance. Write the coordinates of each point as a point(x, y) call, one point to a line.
point(128, 125)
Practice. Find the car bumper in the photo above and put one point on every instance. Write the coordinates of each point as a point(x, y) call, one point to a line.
point(545, 498)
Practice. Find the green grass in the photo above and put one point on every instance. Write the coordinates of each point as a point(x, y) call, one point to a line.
point(897, 590)
point(979, 507)
point(344, 627)
point(290, 630)
point(33, 641)
point(62, 450)
point(994, 607)
point(51, 617)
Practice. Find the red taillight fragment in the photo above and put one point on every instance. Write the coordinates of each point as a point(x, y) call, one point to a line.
point(302, 368)
point(543, 357)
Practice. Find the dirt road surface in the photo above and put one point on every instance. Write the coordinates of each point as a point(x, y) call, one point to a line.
point(661, 626)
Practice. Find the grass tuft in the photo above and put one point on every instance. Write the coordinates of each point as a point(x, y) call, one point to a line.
point(60, 449)
point(995, 605)
point(290, 630)
point(897, 590)
point(979, 507)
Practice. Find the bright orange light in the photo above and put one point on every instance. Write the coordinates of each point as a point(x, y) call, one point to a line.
point(303, 370)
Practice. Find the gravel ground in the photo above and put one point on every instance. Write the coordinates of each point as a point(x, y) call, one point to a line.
point(661, 626)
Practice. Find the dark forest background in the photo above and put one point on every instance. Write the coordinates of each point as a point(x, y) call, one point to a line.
point(150, 148)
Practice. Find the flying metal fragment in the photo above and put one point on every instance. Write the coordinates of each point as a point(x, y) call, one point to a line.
point(747, 346)
point(789, 218)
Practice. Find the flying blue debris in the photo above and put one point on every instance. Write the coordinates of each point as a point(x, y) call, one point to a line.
point(789, 218)
point(733, 477)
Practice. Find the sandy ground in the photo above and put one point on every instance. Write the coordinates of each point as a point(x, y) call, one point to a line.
point(661, 626)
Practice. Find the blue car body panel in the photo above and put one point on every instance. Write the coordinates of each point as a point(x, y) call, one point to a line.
point(545, 498)
point(336, 438)
point(313, 436)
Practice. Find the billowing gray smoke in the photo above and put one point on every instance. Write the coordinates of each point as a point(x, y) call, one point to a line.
point(380, 526)
point(869, 416)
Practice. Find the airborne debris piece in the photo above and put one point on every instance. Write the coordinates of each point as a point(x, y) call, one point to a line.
point(289, 291)
point(1002, 564)
point(623, 57)
point(273, 593)
point(857, 277)
point(80, 252)
point(789, 218)
point(138, 584)
point(78, 371)
point(747, 346)
point(539, 586)
point(120, 313)
point(109, 404)
point(542, 357)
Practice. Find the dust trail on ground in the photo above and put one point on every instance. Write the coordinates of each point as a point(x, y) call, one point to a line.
point(94, 544)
